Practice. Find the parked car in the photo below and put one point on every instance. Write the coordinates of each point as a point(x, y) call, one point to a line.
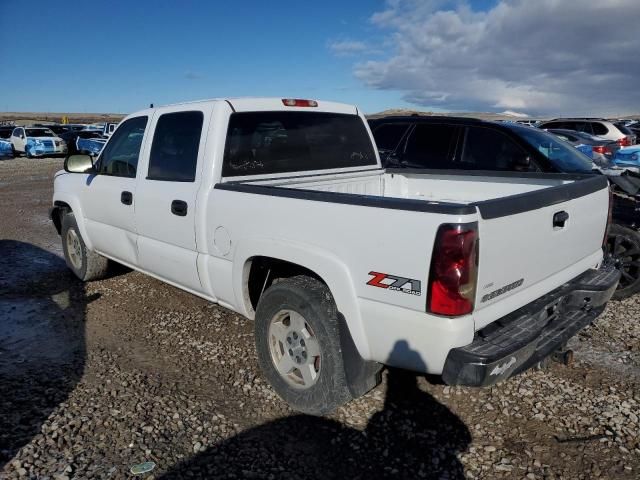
point(279, 210)
point(6, 149)
point(593, 126)
point(36, 142)
point(600, 151)
point(71, 138)
point(628, 157)
point(450, 143)
point(91, 145)
point(5, 132)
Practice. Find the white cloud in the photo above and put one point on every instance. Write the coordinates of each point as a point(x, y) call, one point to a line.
point(343, 48)
point(544, 56)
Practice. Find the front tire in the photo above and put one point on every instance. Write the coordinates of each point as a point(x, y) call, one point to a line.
point(623, 249)
point(298, 345)
point(85, 264)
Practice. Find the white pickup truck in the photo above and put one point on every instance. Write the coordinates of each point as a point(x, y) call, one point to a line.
point(278, 209)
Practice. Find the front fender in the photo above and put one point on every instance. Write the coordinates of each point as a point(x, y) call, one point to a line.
point(325, 264)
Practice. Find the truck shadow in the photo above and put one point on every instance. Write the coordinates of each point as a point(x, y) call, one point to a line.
point(413, 436)
point(42, 340)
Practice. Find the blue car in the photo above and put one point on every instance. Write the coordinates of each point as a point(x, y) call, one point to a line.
point(628, 157)
point(37, 142)
point(6, 149)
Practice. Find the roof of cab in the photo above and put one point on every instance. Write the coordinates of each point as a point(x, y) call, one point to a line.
point(257, 104)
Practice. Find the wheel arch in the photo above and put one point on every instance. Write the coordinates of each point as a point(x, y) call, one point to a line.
point(63, 203)
point(298, 259)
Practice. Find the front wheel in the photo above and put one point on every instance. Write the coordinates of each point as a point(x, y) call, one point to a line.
point(298, 345)
point(85, 264)
point(623, 249)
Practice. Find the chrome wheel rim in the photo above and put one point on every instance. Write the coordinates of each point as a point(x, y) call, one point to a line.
point(74, 249)
point(294, 349)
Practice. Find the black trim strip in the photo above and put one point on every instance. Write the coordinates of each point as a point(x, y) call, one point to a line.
point(232, 109)
point(524, 202)
point(351, 199)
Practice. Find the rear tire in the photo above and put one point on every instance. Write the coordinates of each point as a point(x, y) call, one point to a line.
point(298, 345)
point(623, 249)
point(85, 264)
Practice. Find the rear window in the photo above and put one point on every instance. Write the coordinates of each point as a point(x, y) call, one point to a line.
point(623, 128)
point(279, 142)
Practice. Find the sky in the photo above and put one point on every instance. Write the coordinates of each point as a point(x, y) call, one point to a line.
point(542, 57)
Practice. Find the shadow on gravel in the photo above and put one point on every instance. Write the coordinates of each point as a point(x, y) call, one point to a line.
point(42, 343)
point(413, 436)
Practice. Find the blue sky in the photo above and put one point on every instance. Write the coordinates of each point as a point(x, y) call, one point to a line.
point(118, 56)
point(489, 55)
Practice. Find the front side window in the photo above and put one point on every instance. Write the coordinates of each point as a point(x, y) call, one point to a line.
point(431, 146)
point(563, 156)
point(120, 155)
point(174, 152)
point(284, 141)
point(488, 149)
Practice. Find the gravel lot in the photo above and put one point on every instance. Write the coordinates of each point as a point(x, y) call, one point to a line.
point(98, 377)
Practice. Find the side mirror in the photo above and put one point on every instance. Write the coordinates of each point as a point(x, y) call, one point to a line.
point(78, 164)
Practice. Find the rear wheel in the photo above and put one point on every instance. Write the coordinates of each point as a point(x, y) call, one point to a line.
point(623, 249)
point(85, 264)
point(298, 345)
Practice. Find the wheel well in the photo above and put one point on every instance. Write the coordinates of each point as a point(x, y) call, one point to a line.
point(59, 209)
point(265, 271)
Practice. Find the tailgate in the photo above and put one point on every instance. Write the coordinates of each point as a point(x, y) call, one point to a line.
point(532, 243)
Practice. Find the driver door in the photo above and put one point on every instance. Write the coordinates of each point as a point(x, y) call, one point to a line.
point(109, 197)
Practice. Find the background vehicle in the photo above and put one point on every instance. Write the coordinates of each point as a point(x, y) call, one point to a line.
point(593, 126)
point(628, 157)
point(35, 142)
point(71, 138)
point(274, 208)
point(601, 151)
point(447, 143)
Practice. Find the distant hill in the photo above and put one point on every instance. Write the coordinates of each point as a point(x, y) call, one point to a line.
point(480, 115)
point(26, 118)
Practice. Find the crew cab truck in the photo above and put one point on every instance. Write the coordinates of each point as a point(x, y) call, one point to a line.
point(278, 209)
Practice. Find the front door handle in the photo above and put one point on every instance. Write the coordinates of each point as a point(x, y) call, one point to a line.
point(559, 219)
point(179, 208)
point(126, 198)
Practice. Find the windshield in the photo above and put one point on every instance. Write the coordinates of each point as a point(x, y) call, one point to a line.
point(562, 155)
point(39, 132)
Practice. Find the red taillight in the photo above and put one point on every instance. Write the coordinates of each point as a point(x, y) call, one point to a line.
point(453, 274)
point(298, 102)
point(601, 149)
point(624, 142)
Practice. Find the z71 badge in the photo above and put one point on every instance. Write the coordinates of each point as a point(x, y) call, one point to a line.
point(395, 283)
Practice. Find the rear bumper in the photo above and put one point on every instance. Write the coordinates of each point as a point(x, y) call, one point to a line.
point(521, 339)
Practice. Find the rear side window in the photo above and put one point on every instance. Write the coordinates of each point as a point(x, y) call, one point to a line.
point(488, 149)
point(388, 135)
point(599, 129)
point(431, 146)
point(119, 157)
point(279, 142)
point(174, 152)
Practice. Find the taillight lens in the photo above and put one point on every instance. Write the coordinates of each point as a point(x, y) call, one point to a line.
point(624, 142)
point(601, 149)
point(454, 270)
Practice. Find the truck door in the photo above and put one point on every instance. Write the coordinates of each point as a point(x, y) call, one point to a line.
point(166, 203)
point(109, 197)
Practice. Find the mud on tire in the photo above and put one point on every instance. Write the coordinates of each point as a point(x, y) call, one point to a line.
point(289, 312)
point(86, 265)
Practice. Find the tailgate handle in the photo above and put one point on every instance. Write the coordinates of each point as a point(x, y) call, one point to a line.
point(559, 219)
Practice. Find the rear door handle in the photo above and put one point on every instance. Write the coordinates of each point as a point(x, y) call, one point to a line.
point(179, 207)
point(126, 198)
point(560, 219)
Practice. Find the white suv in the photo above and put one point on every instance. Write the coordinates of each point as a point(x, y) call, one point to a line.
point(594, 126)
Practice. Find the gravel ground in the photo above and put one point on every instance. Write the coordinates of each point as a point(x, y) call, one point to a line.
point(98, 377)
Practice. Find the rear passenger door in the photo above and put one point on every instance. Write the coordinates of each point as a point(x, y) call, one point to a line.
point(166, 196)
